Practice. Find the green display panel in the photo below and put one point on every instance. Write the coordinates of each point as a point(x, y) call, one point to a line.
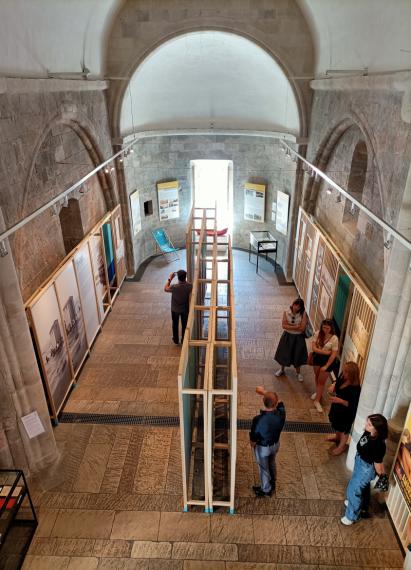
point(341, 298)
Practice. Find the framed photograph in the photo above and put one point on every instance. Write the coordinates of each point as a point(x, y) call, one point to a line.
point(119, 251)
point(84, 273)
point(51, 346)
point(325, 301)
point(360, 337)
point(135, 212)
point(99, 272)
point(281, 221)
point(71, 309)
point(402, 464)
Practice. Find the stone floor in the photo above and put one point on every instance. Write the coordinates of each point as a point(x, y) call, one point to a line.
point(114, 500)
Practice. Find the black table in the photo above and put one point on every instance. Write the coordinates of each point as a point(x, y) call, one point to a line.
point(262, 242)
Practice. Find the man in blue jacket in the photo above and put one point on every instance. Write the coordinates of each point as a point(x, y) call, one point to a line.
point(265, 439)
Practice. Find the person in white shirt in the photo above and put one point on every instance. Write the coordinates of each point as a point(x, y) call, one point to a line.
point(292, 349)
point(323, 357)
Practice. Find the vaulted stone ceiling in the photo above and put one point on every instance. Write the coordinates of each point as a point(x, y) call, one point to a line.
point(243, 86)
point(58, 35)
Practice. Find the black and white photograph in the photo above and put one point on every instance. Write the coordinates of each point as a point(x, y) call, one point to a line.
point(51, 344)
point(84, 273)
point(69, 299)
point(96, 252)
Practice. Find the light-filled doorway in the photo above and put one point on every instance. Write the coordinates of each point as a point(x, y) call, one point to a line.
point(213, 185)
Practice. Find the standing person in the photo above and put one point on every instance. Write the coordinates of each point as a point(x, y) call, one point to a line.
point(368, 464)
point(180, 301)
point(265, 440)
point(292, 349)
point(345, 393)
point(324, 349)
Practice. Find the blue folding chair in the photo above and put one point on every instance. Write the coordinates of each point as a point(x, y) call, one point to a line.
point(165, 245)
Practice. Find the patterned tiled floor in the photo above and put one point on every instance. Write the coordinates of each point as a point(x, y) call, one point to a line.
point(114, 500)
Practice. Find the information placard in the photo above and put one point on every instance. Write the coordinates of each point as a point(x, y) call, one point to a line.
point(168, 201)
point(254, 202)
point(135, 212)
point(281, 222)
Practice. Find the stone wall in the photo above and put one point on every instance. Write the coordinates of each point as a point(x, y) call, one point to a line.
point(255, 159)
point(340, 119)
point(49, 139)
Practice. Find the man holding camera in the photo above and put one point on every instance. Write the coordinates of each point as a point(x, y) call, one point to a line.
point(180, 301)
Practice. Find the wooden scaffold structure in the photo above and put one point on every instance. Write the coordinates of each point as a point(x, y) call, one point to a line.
point(207, 377)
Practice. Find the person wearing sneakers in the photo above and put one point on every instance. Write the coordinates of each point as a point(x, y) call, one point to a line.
point(265, 440)
point(368, 463)
point(180, 301)
point(344, 397)
point(292, 349)
point(324, 358)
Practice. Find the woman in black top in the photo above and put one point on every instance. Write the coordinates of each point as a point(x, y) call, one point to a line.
point(345, 393)
point(368, 463)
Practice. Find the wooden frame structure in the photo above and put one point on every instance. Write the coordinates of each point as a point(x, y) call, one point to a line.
point(102, 292)
point(318, 269)
point(207, 376)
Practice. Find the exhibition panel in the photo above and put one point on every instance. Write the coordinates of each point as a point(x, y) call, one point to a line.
point(331, 289)
point(67, 311)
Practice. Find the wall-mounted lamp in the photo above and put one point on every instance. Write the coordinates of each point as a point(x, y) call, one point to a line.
point(311, 173)
point(389, 241)
point(329, 191)
point(3, 249)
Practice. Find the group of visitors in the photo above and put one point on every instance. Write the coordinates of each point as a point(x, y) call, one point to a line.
point(344, 394)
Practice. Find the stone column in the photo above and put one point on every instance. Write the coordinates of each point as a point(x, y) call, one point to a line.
point(21, 390)
point(387, 384)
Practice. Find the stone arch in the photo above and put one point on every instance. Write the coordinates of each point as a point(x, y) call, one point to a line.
point(280, 60)
point(70, 118)
point(327, 147)
point(294, 84)
point(85, 131)
point(356, 181)
point(322, 159)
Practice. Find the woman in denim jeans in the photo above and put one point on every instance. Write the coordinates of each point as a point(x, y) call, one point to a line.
point(368, 463)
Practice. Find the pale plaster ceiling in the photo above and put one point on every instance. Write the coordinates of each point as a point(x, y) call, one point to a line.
point(241, 88)
point(37, 36)
point(358, 34)
point(209, 79)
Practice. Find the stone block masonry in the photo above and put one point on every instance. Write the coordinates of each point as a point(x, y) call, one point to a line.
point(255, 159)
point(49, 139)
